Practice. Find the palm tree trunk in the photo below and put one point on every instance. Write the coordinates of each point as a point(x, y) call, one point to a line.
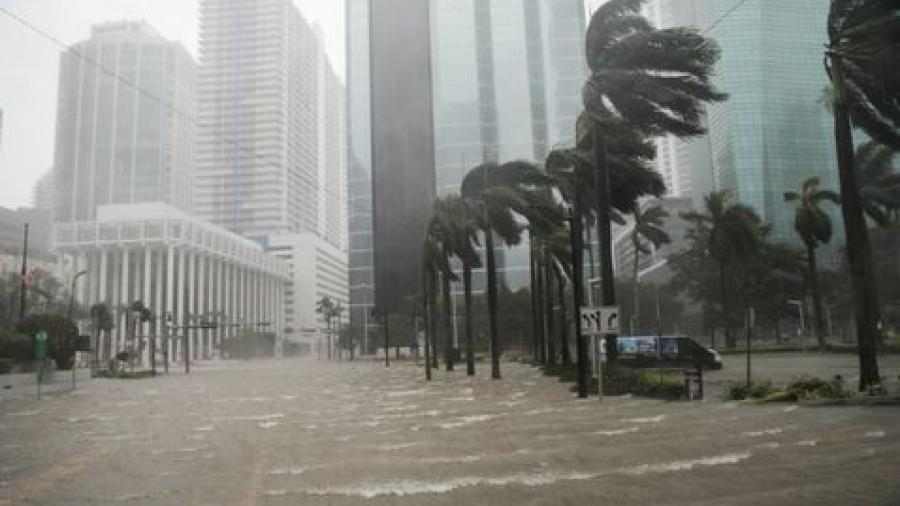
point(564, 323)
point(492, 302)
point(448, 323)
point(604, 235)
point(637, 293)
point(859, 252)
point(427, 316)
point(551, 348)
point(470, 339)
point(434, 319)
point(535, 346)
point(818, 315)
point(726, 309)
point(542, 329)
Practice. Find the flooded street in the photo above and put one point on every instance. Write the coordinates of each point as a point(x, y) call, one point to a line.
point(315, 433)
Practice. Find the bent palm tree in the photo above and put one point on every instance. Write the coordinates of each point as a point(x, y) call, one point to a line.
point(455, 234)
point(648, 225)
point(879, 185)
point(732, 235)
point(862, 57)
point(814, 227)
point(644, 82)
point(498, 196)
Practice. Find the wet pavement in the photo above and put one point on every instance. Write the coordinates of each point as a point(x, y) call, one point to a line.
point(305, 432)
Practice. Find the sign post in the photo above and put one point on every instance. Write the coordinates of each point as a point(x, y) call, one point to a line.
point(40, 352)
point(597, 322)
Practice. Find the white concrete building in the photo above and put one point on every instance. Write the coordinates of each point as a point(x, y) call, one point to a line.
point(317, 269)
point(123, 127)
point(178, 266)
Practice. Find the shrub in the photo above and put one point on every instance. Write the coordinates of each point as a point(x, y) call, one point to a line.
point(812, 388)
point(741, 391)
point(16, 347)
point(63, 336)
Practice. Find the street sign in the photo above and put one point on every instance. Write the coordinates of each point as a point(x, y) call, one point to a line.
point(597, 321)
point(40, 344)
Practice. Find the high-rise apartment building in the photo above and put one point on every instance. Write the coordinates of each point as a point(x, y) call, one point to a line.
point(124, 132)
point(258, 148)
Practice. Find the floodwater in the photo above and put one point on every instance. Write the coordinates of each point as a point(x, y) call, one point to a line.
point(313, 433)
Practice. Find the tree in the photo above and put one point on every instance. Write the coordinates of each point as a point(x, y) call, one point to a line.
point(644, 82)
point(731, 233)
point(62, 336)
point(879, 185)
point(325, 307)
point(861, 58)
point(813, 225)
point(648, 226)
point(101, 321)
point(500, 194)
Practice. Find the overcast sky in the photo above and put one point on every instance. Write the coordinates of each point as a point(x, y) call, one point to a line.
point(29, 66)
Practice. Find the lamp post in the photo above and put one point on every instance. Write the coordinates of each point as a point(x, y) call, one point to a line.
point(72, 292)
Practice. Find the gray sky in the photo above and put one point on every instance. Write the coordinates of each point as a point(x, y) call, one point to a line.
point(29, 68)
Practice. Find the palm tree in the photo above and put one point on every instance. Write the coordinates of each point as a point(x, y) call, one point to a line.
point(862, 57)
point(879, 185)
point(643, 82)
point(325, 307)
point(101, 321)
point(648, 225)
point(814, 227)
point(732, 234)
point(498, 196)
point(456, 235)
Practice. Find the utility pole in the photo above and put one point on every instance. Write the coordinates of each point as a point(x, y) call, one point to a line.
point(23, 286)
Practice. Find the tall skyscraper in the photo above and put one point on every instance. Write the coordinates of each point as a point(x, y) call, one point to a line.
point(359, 165)
point(258, 149)
point(507, 75)
point(773, 132)
point(127, 139)
point(402, 145)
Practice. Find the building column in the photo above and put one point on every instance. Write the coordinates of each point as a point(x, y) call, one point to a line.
point(148, 302)
point(191, 312)
point(181, 316)
point(159, 306)
point(124, 293)
point(202, 308)
point(170, 301)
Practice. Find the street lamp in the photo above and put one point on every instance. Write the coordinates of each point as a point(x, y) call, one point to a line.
point(72, 292)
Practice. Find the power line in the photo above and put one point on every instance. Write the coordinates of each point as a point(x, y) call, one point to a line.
point(721, 18)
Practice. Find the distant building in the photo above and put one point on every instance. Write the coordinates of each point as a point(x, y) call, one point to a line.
point(179, 267)
point(128, 139)
point(258, 101)
point(316, 269)
point(44, 193)
point(359, 166)
point(652, 267)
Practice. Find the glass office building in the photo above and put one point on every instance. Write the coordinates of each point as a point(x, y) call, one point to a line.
point(507, 76)
point(773, 132)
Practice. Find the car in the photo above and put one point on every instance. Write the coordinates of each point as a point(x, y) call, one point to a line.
point(666, 351)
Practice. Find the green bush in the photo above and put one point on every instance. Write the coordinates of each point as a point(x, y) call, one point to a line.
point(741, 391)
point(63, 336)
point(16, 347)
point(813, 388)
